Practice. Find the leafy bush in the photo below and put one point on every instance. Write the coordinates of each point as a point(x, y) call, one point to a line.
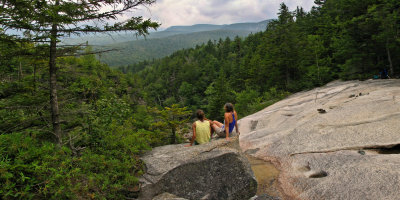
point(35, 170)
point(105, 132)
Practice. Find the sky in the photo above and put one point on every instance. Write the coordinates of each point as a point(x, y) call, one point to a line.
point(189, 12)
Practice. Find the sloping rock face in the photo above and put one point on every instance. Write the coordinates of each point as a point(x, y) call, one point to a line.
point(167, 196)
point(334, 142)
point(212, 171)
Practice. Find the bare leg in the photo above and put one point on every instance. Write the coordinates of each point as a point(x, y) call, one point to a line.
point(215, 128)
point(218, 124)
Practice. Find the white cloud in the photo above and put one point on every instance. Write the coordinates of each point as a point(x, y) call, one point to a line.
point(189, 12)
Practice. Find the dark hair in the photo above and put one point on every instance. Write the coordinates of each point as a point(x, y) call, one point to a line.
point(200, 114)
point(229, 107)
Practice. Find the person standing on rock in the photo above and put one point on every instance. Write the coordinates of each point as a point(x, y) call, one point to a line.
point(202, 130)
point(230, 122)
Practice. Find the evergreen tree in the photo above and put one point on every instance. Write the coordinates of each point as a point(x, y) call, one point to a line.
point(47, 21)
point(218, 93)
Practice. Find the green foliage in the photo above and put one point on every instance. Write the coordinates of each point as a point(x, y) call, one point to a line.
point(132, 49)
point(173, 118)
point(217, 94)
point(131, 52)
point(246, 100)
point(300, 50)
point(30, 169)
point(250, 101)
point(106, 127)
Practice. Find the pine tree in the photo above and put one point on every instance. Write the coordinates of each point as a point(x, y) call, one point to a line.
point(47, 21)
point(219, 93)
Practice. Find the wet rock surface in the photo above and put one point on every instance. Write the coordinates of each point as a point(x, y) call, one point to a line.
point(266, 175)
point(212, 171)
point(339, 141)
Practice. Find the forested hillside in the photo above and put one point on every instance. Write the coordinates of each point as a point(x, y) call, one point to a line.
point(129, 49)
point(337, 39)
point(105, 129)
point(72, 128)
point(106, 39)
point(141, 50)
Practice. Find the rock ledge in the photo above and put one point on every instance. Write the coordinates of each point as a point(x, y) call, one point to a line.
point(212, 171)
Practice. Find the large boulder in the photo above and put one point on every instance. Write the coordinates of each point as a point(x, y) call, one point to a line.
point(216, 170)
point(339, 141)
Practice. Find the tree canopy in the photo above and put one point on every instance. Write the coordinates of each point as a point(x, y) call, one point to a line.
point(46, 21)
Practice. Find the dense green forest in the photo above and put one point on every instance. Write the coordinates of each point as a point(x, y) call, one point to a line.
point(86, 142)
point(71, 127)
point(106, 39)
point(141, 50)
point(105, 126)
point(127, 50)
point(337, 39)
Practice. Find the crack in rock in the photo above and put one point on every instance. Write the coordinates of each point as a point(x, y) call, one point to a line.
point(368, 147)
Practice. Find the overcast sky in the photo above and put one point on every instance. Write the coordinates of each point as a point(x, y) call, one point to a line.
point(189, 12)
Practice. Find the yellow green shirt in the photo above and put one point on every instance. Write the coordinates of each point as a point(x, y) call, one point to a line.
point(203, 132)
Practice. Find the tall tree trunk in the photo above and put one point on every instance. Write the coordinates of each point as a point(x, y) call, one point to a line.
point(55, 112)
point(173, 138)
point(389, 58)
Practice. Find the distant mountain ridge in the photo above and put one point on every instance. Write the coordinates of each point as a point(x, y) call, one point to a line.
point(102, 39)
point(260, 26)
point(141, 50)
point(159, 44)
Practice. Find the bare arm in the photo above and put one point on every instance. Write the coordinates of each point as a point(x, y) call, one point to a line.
point(227, 126)
point(236, 124)
point(194, 135)
point(211, 128)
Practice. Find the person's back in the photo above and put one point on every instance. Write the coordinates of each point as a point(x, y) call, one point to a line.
point(203, 132)
point(230, 122)
point(202, 129)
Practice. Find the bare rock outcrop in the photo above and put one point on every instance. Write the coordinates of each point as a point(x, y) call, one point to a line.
point(339, 141)
point(167, 196)
point(211, 171)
